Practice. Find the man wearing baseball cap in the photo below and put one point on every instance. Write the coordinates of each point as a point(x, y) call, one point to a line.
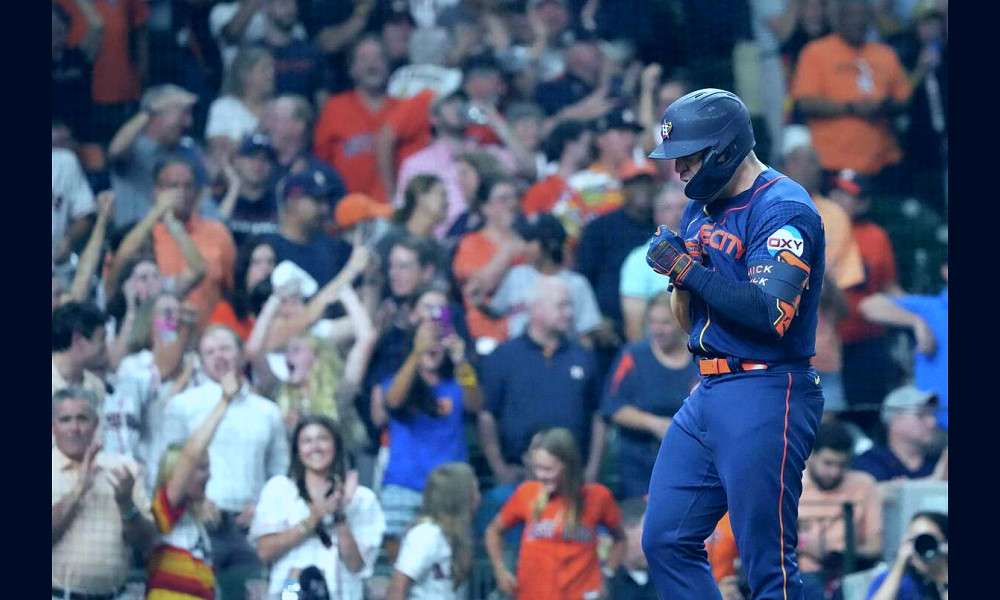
point(308, 199)
point(145, 140)
point(908, 415)
point(249, 206)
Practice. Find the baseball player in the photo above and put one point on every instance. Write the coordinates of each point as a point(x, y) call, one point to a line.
point(746, 267)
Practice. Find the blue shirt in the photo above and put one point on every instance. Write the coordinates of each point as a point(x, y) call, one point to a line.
point(323, 257)
point(931, 372)
point(883, 465)
point(909, 589)
point(776, 215)
point(528, 392)
point(420, 442)
point(640, 380)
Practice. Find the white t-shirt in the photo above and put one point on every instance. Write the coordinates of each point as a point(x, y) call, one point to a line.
point(228, 117)
point(281, 507)
point(72, 197)
point(425, 557)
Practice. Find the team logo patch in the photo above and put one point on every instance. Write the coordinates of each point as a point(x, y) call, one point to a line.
point(665, 128)
point(786, 238)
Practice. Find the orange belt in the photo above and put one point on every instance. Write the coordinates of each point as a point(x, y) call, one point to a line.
point(720, 366)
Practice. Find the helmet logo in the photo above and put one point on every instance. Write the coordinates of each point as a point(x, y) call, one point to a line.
point(665, 128)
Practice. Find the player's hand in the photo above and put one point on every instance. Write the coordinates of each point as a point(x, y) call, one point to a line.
point(667, 255)
point(506, 582)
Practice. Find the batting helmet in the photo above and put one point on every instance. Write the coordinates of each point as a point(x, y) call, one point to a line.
point(712, 120)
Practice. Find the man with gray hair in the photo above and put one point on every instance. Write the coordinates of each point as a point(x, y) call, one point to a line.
point(153, 134)
point(289, 121)
point(538, 380)
point(100, 507)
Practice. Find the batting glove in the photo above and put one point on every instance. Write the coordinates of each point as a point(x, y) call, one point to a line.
point(667, 255)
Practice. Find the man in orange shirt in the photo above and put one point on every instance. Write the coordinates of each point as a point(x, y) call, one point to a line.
point(848, 89)
point(350, 121)
point(122, 61)
point(210, 237)
point(827, 486)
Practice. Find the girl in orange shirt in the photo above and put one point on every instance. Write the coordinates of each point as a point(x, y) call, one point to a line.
point(561, 514)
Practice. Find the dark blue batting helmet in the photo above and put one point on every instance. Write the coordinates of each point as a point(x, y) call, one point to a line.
point(713, 120)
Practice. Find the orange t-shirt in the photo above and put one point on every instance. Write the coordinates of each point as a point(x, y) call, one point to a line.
point(722, 550)
point(474, 252)
point(552, 567)
point(821, 514)
point(345, 138)
point(217, 248)
point(832, 69)
point(880, 267)
point(411, 122)
point(225, 315)
point(115, 78)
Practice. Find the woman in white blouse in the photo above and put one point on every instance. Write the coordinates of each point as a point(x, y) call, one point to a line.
point(318, 516)
point(248, 88)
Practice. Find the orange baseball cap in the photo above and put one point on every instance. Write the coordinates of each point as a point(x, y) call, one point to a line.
point(357, 207)
point(633, 169)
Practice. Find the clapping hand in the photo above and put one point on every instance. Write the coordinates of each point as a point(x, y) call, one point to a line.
point(122, 481)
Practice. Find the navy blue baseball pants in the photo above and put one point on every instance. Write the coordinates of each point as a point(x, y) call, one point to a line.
point(740, 443)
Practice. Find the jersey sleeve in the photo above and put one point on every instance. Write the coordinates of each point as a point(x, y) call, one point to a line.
point(416, 553)
point(619, 385)
point(517, 509)
point(165, 514)
point(272, 512)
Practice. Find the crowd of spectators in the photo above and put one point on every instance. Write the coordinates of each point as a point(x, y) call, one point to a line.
point(343, 290)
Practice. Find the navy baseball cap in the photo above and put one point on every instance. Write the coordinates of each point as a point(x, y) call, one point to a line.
point(256, 142)
point(619, 118)
point(309, 182)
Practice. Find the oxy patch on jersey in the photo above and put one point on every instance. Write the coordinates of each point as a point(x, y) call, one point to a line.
point(786, 238)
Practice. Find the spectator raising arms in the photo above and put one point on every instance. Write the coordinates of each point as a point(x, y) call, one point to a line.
point(435, 560)
point(561, 514)
point(181, 563)
point(423, 407)
point(319, 516)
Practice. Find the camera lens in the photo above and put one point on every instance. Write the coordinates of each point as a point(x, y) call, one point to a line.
point(926, 545)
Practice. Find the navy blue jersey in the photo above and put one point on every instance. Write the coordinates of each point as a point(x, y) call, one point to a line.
point(775, 216)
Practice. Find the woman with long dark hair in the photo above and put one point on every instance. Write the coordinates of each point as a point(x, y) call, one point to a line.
point(255, 261)
point(561, 515)
point(318, 516)
point(435, 559)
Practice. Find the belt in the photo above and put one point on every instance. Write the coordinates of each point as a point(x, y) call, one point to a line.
point(65, 595)
point(724, 366)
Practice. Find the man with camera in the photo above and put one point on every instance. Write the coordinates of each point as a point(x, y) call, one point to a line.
point(920, 571)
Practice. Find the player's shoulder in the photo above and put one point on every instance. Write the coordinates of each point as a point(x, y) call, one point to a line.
point(781, 195)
